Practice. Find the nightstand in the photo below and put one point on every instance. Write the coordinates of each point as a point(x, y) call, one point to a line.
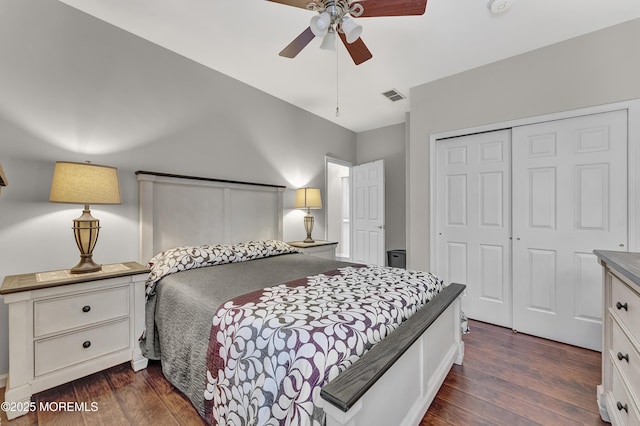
point(65, 326)
point(324, 249)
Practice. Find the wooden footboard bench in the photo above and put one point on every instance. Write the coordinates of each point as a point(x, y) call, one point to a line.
point(396, 381)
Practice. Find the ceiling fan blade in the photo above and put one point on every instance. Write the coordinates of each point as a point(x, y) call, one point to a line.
point(300, 42)
point(358, 51)
point(295, 3)
point(374, 8)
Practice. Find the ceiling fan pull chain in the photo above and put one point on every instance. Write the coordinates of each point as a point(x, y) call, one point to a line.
point(337, 83)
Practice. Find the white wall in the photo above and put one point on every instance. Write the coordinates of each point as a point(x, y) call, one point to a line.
point(598, 68)
point(388, 144)
point(75, 88)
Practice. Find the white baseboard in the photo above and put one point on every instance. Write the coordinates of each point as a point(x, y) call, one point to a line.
point(3, 380)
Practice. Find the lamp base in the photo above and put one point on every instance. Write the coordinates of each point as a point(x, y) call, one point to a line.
point(85, 230)
point(85, 265)
point(308, 226)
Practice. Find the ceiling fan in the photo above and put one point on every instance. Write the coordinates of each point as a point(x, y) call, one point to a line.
point(335, 17)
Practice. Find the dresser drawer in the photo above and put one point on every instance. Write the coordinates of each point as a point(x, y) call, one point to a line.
point(626, 357)
point(78, 310)
point(62, 351)
point(625, 303)
point(623, 406)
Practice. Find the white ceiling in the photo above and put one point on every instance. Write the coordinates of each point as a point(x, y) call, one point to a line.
point(242, 38)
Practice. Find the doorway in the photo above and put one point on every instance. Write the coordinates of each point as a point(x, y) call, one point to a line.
point(338, 211)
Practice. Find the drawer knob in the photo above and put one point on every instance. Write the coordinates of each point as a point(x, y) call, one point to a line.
point(622, 407)
point(621, 357)
point(621, 306)
point(86, 344)
point(86, 308)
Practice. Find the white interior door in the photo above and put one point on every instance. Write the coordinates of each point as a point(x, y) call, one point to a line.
point(368, 213)
point(473, 221)
point(569, 198)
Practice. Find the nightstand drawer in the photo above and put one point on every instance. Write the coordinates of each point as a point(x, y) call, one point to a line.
point(62, 351)
point(66, 313)
point(626, 357)
point(625, 303)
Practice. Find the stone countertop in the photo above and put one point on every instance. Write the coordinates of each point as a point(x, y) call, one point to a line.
point(626, 263)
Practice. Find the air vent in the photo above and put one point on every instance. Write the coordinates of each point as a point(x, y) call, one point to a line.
point(393, 95)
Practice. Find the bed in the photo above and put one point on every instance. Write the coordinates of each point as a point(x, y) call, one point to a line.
point(181, 216)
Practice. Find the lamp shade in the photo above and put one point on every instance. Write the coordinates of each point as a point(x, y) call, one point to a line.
point(308, 198)
point(329, 41)
point(84, 183)
point(351, 29)
point(320, 24)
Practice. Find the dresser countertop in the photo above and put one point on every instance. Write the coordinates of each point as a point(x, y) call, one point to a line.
point(626, 263)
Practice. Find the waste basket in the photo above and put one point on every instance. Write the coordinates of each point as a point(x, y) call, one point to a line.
point(397, 258)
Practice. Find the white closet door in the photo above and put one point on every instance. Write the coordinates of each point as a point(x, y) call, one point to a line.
point(569, 198)
point(473, 221)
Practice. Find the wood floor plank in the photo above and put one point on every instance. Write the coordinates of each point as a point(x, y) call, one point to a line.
point(517, 372)
point(175, 401)
point(500, 337)
point(506, 379)
point(454, 415)
point(521, 400)
point(50, 405)
point(543, 382)
point(138, 400)
point(582, 359)
point(484, 407)
point(95, 389)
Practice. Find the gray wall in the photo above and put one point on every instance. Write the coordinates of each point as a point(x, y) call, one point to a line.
point(598, 68)
point(388, 144)
point(75, 88)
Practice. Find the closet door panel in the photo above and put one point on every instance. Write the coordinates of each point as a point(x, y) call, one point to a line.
point(569, 198)
point(472, 216)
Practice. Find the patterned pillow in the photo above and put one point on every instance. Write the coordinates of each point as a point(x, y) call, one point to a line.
point(190, 257)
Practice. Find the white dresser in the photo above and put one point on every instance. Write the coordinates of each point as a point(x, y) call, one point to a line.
point(65, 326)
point(619, 393)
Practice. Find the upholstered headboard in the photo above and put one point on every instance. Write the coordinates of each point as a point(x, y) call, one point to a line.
point(180, 210)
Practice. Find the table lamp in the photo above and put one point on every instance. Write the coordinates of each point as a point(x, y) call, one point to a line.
point(308, 198)
point(85, 183)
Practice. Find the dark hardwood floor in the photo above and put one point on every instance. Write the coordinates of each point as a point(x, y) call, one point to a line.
point(517, 379)
point(506, 379)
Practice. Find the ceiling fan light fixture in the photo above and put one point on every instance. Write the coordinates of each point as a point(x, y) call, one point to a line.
point(320, 24)
point(329, 41)
point(351, 29)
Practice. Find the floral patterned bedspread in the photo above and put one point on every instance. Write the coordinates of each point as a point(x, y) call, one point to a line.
point(272, 350)
point(191, 257)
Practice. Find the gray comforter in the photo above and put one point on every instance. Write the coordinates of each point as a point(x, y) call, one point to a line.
point(179, 315)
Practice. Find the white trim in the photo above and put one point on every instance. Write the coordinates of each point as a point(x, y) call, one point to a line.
point(633, 153)
point(633, 123)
